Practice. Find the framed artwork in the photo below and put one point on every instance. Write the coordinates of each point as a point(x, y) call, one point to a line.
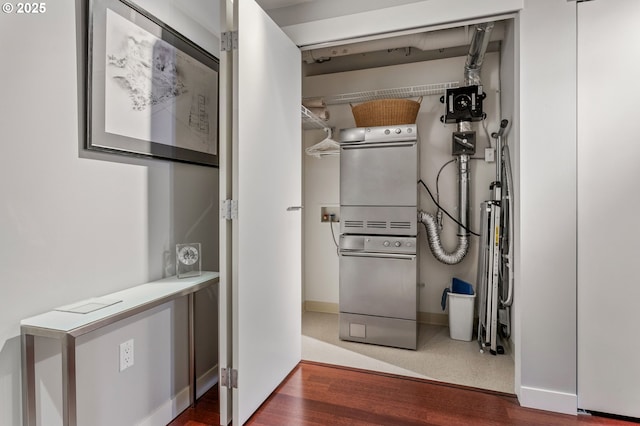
point(150, 91)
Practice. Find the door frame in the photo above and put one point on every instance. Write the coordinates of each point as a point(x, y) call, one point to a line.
point(537, 385)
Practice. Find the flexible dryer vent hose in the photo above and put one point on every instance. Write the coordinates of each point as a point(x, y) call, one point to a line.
point(472, 69)
point(435, 242)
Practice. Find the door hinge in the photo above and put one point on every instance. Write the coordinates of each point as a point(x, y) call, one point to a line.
point(229, 41)
point(229, 378)
point(229, 209)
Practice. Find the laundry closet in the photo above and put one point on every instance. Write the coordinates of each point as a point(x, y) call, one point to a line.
point(261, 150)
point(418, 66)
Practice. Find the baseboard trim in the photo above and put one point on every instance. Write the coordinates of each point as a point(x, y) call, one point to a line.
point(206, 381)
point(548, 400)
point(323, 307)
point(180, 402)
point(334, 308)
point(433, 318)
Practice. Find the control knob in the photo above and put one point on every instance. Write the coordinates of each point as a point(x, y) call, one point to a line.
point(397, 244)
point(386, 244)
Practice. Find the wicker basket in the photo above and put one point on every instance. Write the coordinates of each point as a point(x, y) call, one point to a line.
point(386, 112)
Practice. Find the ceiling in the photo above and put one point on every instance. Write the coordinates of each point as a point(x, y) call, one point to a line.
point(284, 12)
point(288, 12)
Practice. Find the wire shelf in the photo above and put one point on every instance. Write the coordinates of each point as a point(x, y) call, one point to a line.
point(310, 121)
point(400, 92)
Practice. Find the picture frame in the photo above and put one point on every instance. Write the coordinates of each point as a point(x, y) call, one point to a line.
point(150, 91)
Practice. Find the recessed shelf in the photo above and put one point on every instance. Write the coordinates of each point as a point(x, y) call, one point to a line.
point(398, 92)
point(310, 121)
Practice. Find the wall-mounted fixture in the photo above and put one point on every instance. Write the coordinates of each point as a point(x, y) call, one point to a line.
point(330, 214)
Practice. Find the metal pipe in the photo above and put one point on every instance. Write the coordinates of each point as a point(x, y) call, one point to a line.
point(509, 195)
point(432, 40)
point(499, 158)
point(476, 54)
point(464, 177)
point(431, 223)
point(472, 68)
point(499, 151)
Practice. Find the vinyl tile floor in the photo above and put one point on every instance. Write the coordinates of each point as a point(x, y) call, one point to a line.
point(438, 357)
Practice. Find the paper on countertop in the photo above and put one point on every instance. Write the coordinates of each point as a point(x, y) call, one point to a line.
point(89, 305)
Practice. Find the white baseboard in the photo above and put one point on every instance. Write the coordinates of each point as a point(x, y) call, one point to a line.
point(432, 318)
point(167, 411)
point(208, 380)
point(324, 307)
point(548, 400)
point(171, 408)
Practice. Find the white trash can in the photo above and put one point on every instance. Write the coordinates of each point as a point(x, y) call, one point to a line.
point(461, 316)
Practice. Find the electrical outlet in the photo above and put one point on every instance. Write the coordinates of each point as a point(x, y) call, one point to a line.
point(489, 155)
point(126, 355)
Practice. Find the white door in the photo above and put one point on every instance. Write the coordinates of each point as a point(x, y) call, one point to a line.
point(608, 205)
point(266, 183)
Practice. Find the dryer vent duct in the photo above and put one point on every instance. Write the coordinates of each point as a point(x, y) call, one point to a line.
point(477, 50)
point(473, 65)
point(433, 40)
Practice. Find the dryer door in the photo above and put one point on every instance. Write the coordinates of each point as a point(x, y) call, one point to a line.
point(379, 174)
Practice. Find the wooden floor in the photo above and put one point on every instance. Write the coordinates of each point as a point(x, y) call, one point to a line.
point(205, 413)
point(318, 394)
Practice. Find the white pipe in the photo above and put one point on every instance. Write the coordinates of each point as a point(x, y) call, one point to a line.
point(432, 40)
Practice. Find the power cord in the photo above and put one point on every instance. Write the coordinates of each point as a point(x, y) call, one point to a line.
point(332, 217)
point(438, 178)
point(445, 211)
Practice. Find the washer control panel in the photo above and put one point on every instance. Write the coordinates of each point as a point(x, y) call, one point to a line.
point(395, 133)
point(390, 244)
point(378, 134)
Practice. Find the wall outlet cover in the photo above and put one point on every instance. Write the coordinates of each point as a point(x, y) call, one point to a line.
point(489, 155)
point(126, 354)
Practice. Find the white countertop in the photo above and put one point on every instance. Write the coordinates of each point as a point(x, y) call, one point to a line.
point(131, 298)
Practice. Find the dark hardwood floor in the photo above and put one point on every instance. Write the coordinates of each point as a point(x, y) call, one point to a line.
point(318, 394)
point(205, 413)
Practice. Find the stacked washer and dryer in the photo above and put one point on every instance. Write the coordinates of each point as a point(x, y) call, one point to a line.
point(378, 253)
point(379, 173)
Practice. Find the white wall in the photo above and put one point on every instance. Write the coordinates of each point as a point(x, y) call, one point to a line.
point(74, 224)
point(322, 175)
